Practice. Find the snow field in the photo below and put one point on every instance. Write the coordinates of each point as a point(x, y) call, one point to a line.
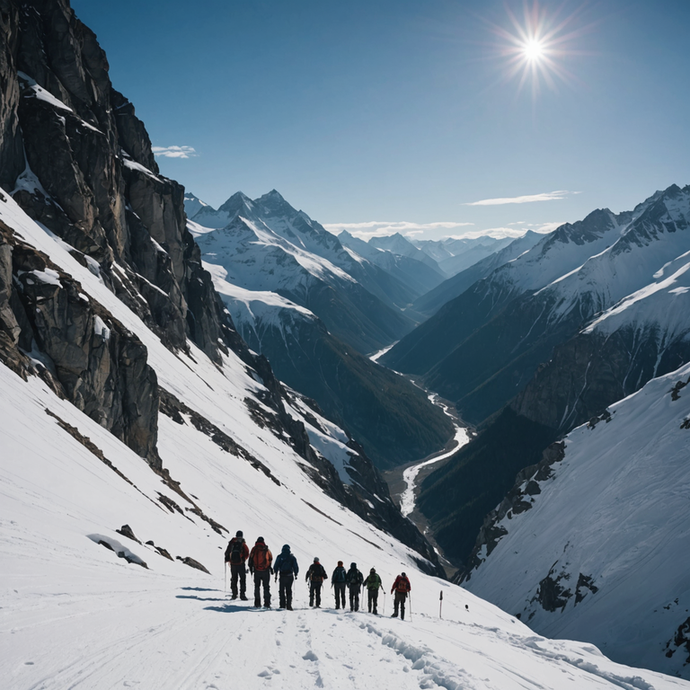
point(75, 615)
point(616, 510)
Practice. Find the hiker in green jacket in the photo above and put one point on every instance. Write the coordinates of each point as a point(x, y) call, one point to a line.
point(373, 584)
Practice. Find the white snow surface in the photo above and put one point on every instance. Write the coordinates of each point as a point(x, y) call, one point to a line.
point(75, 615)
point(616, 510)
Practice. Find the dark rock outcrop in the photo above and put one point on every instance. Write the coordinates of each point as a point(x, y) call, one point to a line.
point(86, 355)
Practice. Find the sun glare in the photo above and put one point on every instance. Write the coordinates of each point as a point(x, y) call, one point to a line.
point(537, 45)
point(533, 50)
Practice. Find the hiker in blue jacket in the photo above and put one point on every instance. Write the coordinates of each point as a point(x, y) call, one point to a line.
point(339, 583)
point(286, 570)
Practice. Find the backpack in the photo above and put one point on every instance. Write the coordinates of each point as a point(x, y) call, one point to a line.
point(372, 582)
point(236, 551)
point(354, 577)
point(260, 559)
point(402, 584)
point(317, 573)
point(339, 574)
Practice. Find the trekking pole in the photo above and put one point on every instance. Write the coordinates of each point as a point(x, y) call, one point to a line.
point(440, 605)
point(225, 571)
point(410, 607)
point(384, 601)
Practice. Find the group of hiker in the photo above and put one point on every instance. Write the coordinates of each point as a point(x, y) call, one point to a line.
point(285, 569)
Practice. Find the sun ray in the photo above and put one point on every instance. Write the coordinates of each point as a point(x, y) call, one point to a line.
point(535, 45)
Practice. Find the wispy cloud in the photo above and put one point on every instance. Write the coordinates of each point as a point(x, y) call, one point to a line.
point(174, 151)
point(511, 231)
point(381, 228)
point(529, 198)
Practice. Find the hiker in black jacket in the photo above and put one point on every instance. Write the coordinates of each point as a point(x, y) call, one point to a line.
point(354, 579)
point(236, 556)
point(339, 582)
point(285, 567)
point(315, 577)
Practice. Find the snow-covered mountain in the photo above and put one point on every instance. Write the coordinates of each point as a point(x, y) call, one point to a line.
point(592, 543)
point(572, 370)
point(283, 279)
point(507, 324)
point(434, 299)
point(455, 254)
point(400, 245)
point(417, 275)
point(317, 251)
point(139, 432)
point(392, 418)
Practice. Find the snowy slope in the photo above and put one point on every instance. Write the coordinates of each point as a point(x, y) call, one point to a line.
point(595, 546)
point(77, 615)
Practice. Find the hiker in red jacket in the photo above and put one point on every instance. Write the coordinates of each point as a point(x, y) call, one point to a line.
point(260, 559)
point(236, 555)
point(400, 587)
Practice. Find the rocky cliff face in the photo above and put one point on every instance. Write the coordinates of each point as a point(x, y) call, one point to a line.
point(84, 353)
point(76, 158)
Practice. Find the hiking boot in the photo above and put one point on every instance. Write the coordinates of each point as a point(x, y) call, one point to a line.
point(234, 596)
point(243, 597)
point(395, 615)
point(289, 608)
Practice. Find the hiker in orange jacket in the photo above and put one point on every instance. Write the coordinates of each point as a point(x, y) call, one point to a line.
point(400, 588)
point(260, 559)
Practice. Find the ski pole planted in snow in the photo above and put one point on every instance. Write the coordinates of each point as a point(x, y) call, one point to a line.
point(225, 571)
point(440, 605)
point(410, 607)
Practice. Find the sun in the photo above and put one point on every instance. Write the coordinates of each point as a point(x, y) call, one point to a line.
point(536, 46)
point(533, 50)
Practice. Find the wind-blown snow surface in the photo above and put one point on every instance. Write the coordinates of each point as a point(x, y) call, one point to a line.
point(75, 615)
point(610, 527)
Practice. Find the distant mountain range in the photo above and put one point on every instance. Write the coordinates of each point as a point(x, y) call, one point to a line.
point(298, 296)
point(586, 317)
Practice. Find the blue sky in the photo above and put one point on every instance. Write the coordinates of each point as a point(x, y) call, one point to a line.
point(409, 111)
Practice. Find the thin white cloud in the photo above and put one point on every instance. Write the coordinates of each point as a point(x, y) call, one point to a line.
point(174, 151)
point(382, 228)
point(368, 229)
point(529, 198)
point(500, 233)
